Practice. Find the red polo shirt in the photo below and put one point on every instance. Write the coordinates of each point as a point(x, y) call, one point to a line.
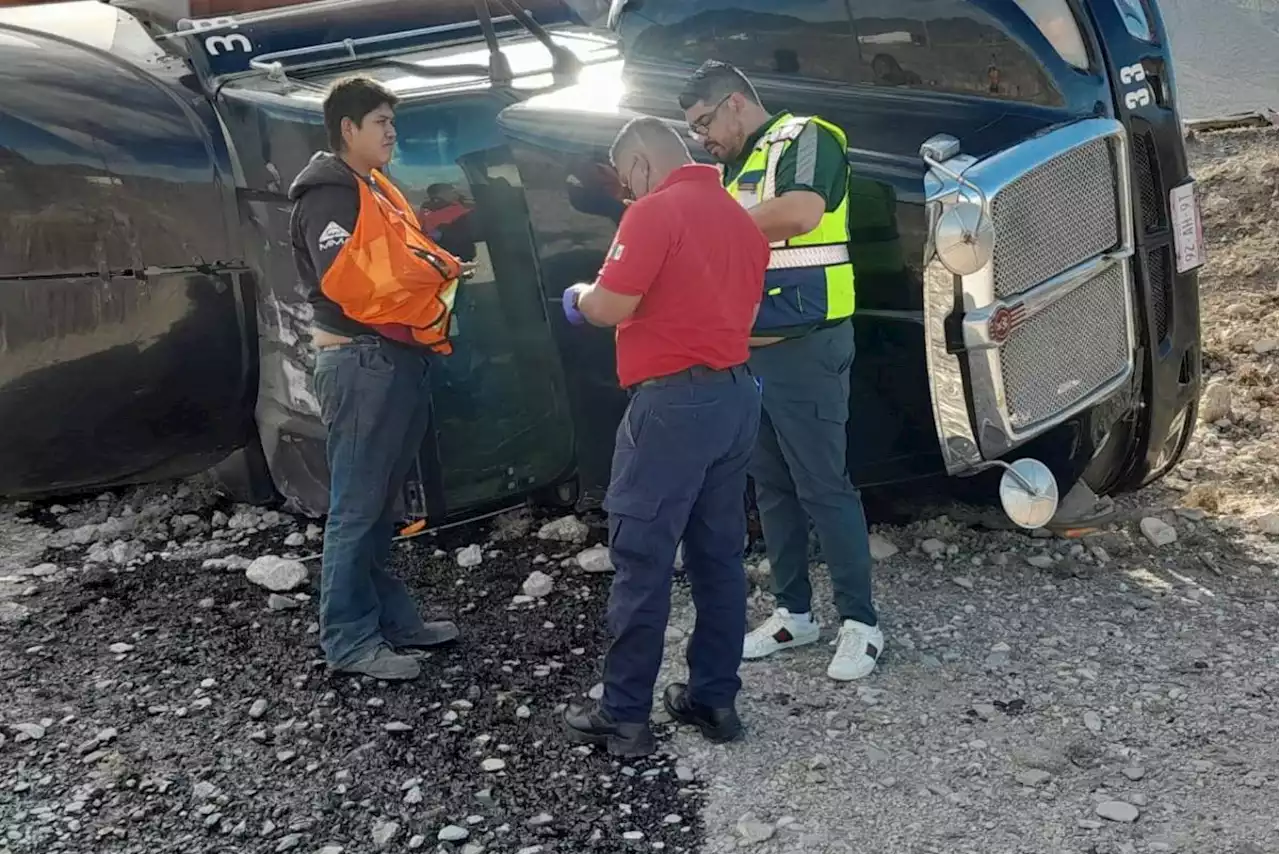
point(697, 259)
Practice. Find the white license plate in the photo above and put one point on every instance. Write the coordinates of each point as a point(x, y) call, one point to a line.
point(1188, 231)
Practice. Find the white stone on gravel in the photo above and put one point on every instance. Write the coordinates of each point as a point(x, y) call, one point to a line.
point(258, 709)
point(1093, 722)
point(1117, 811)
point(1215, 404)
point(331, 849)
point(13, 613)
point(567, 529)
point(596, 692)
point(121, 648)
point(413, 796)
point(1158, 533)
point(396, 726)
point(383, 832)
point(753, 831)
point(27, 732)
point(933, 547)
point(493, 764)
point(276, 573)
point(1034, 777)
point(962, 581)
point(280, 602)
point(452, 834)
point(470, 556)
point(881, 547)
point(595, 560)
point(538, 585)
point(295, 539)
point(1134, 772)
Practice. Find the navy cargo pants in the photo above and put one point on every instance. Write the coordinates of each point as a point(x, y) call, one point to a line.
point(679, 472)
point(800, 471)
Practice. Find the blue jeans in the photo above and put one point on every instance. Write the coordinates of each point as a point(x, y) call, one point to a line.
point(375, 402)
point(679, 472)
point(800, 471)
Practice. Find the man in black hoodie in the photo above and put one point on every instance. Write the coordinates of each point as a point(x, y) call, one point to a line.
point(372, 386)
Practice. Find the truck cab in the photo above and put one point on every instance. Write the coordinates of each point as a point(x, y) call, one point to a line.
point(1025, 233)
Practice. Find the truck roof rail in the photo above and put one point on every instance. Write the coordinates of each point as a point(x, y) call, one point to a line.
point(337, 54)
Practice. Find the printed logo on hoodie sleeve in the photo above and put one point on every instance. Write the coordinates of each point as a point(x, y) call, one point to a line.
point(333, 236)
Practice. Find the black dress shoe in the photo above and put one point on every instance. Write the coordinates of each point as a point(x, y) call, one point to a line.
point(592, 725)
point(716, 725)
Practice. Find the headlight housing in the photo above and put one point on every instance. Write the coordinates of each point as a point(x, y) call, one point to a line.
point(1057, 23)
point(1136, 19)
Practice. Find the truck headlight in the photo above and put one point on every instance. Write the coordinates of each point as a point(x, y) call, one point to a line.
point(1059, 26)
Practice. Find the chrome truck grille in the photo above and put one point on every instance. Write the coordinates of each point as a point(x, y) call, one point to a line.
point(1066, 352)
point(1046, 323)
point(1054, 217)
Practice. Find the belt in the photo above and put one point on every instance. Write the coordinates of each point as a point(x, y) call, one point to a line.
point(693, 374)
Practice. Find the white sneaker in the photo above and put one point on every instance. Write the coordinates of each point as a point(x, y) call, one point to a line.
point(780, 631)
point(858, 647)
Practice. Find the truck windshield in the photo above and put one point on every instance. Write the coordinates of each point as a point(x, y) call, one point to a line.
point(953, 46)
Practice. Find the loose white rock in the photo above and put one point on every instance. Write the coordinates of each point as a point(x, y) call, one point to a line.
point(1117, 811)
point(595, 560)
point(277, 574)
point(881, 547)
point(754, 831)
point(933, 547)
point(121, 648)
point(258, 709)
point(1093, 722)
point(567, 529)
point(1158, 533)
point(384, 832)
point(538, 585)
point(493, 764)
point(280, 602)
point(471, 556)
point(295, 539)
point(1034, 777)
point(1215, 404)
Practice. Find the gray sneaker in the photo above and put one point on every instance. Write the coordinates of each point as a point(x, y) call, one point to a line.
point(384, 663)
point(431, 635)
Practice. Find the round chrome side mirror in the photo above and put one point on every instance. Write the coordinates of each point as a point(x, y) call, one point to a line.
point(964, 239)
point(1029, 493)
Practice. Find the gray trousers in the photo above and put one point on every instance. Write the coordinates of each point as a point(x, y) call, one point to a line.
point(799, 469)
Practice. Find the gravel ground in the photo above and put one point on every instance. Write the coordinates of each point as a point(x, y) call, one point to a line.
point(1036, 695)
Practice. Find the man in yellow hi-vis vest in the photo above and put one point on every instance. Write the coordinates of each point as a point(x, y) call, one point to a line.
point(792, 174)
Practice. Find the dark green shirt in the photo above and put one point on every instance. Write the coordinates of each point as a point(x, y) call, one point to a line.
point(816, 161)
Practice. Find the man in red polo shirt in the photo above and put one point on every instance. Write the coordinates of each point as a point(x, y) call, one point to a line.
point(682, 284)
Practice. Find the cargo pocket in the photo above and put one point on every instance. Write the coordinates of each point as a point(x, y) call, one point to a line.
point(631, 518)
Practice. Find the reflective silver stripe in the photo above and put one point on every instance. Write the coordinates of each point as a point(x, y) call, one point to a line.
point(791, 257)
point(807, 155)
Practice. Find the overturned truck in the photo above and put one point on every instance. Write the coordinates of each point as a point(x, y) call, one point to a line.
point(1025, 232)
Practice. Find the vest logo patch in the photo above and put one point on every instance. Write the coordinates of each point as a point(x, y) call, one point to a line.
point(333, 236)
point(615, 254)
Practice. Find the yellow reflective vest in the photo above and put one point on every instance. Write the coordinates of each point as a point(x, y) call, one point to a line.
point(810, 277)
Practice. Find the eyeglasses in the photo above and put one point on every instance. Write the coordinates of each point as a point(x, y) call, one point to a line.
point(702, 124)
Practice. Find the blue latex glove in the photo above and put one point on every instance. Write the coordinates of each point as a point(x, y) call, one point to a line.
point(569, 302)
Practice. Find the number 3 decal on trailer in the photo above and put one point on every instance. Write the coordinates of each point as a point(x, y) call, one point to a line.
point(222, 42)
point(1134, 78)
point(215, 45)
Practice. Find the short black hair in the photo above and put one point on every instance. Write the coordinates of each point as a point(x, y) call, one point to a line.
point(352, 98)
point(713, 81)
point(646, 132)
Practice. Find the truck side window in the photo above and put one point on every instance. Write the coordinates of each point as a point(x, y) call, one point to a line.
point(812, 39)
point(940, 45)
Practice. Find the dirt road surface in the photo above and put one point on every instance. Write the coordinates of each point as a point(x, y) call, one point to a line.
point(1114, 695)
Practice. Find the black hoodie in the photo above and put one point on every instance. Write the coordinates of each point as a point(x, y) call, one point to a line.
point(326, 204)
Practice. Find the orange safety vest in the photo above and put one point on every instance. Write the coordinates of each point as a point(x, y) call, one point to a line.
point(389, 272)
